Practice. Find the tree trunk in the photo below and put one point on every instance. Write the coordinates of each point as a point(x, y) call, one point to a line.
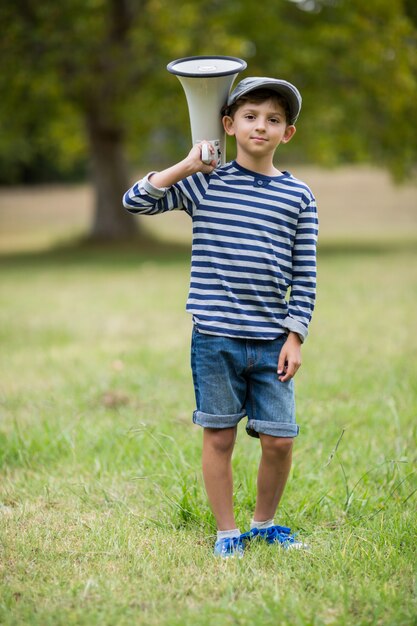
point(109, 171)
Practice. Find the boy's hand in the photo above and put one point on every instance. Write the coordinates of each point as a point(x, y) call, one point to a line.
point(290, 358)
point(194, 162)
point(188, 166)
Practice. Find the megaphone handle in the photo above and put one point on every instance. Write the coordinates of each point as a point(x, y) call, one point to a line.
point(206, 155)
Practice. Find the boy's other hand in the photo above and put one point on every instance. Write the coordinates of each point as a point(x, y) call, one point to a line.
point(289, 360)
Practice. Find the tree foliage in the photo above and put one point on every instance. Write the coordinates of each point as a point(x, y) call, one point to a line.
point(77, 73)
point(356, 66)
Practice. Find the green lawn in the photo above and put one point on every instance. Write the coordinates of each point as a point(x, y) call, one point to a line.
point(103, 516)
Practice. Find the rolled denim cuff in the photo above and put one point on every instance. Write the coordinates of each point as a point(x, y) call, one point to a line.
point(276, 429)
point(206, 420)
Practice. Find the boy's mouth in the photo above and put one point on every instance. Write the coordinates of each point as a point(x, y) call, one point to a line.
point(260, 138)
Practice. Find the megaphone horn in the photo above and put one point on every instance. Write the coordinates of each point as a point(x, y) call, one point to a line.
point(207, 81)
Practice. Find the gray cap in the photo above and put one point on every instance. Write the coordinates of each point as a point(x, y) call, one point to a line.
point(289, 91)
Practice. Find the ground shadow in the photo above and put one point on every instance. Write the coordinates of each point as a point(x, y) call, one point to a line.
point(143, 250)
point(114, 254)
point(366, 248)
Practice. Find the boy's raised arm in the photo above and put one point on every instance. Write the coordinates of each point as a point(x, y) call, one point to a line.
point(159, 192)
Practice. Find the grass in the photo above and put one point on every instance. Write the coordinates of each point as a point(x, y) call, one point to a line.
point(103, 516)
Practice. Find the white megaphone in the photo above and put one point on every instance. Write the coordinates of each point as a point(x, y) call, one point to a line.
point(207, 81)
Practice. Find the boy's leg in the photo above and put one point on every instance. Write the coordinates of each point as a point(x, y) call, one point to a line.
point(273, 472)
point(218, 447)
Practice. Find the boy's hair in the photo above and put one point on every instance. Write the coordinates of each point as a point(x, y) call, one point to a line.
point(257, 96)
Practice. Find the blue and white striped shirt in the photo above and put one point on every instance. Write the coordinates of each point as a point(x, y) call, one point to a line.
point(254, 239)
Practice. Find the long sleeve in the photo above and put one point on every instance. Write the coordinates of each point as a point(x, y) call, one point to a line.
point(303, 284)
point(146, 199)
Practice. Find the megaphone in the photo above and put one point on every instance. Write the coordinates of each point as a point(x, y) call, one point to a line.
point(207, 81)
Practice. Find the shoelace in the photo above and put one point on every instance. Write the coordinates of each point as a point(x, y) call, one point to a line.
point(281, 534)
point(231, 544)
point(278, 533)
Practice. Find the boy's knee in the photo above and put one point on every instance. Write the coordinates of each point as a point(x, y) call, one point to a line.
point(277, 446)
point(222, 440)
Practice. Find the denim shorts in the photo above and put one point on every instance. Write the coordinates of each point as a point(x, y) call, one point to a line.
point(234, 378)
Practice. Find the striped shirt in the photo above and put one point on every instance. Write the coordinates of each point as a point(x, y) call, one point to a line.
point(253, 263)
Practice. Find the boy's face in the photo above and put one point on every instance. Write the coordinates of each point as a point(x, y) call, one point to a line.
point(259, 128)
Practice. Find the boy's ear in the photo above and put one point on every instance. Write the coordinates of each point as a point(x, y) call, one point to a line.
point(289, 134)
point(228, 125)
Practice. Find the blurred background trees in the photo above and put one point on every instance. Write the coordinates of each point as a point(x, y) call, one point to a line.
point(85, 90)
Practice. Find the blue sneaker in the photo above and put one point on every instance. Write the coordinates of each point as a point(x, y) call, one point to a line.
point(275, 534)
point(228, 547)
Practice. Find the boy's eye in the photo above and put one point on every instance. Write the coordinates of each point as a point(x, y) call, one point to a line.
point(274, 120)
point(249, 116)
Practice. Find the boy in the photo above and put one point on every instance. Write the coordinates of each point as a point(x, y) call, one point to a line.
point(254, 237)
